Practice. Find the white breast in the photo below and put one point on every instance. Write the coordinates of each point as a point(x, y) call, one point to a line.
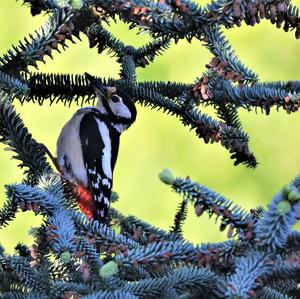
point(69, 146)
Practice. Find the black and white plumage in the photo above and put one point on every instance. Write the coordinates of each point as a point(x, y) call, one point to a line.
point(88, 145)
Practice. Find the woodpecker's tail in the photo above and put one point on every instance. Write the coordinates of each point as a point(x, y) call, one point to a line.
point(101, 199)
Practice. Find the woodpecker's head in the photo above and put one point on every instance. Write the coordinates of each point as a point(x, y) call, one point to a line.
point(113, 102)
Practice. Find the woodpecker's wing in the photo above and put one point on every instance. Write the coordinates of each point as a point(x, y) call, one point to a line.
point(100, 144)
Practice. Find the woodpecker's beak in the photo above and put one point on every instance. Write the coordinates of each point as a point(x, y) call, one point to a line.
point(96, 84)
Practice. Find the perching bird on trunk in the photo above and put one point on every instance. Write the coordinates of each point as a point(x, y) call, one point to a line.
point(87, 148)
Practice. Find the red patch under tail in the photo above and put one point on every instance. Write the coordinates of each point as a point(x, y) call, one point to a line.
point(84, 199)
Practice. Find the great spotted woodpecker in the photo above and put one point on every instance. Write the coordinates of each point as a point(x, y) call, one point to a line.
point(87, 148)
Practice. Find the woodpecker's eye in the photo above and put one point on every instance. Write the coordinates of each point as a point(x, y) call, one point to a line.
point(115, 99)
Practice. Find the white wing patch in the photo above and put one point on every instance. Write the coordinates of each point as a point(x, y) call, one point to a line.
point(99, 198)
point(92, 171)
point(101, 212)
point(106, 201)
point(106, 182)
point(95, 185)
point(106, 152)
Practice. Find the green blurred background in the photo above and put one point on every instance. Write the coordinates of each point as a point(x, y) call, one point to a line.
point(157, 140)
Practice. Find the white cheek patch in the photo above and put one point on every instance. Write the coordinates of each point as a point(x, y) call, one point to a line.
point(120, 109)
point(111, 90)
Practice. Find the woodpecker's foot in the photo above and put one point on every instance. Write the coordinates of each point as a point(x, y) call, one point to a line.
point(46, 150)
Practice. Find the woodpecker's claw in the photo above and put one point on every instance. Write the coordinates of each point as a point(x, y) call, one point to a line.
point(44, 148)
point(54, 161)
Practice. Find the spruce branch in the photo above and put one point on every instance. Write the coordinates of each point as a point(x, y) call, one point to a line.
point(291, 19)
point(12, 85)
point(110, 295)
point(52, 184)
point(27, 53)
point(37, 6)
point(187, 280)
point(103, 39)
point(283, 212)
point(169, 89)
point(8, 212)
point(294, 239)
point(74, 257)
point(103, 234)
point(157, 17)
point(269, 293)
point(65, 87)
point(216, 255)
point(90, 253)
point(140, 230)
point(257, 95)
point(61, 232)
point(185, 19)
point(244, 282)
point(285, 271)
point(290, 86)
point(146, 54)
point(15, 135)
point(157, 254)
point(225, 60)
point(246, 267)
point(180, 217)
point(160, 255)
point(228, 114)
point(61, 288)
point(28, 197)
point(219, 256)
point(127, 71)
point(31, 278)
point(230, 13)
point(205, 199)
point(142, 56)
point(13, 295)
point(58, 87)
